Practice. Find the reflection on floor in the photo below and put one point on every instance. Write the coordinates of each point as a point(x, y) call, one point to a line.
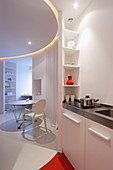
point(26, 153)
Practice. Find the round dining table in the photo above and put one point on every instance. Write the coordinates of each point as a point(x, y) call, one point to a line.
point(20, 103)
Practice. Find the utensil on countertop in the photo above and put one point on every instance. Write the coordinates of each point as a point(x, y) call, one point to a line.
point(87, 101)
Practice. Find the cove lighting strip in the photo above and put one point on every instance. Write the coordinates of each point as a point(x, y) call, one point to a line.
point(46, 47)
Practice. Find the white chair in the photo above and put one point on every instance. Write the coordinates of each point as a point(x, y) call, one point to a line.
point(37, 111)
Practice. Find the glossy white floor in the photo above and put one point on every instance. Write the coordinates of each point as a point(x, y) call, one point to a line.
point(18, 153)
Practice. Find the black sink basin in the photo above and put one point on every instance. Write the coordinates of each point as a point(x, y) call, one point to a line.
point(108, 112)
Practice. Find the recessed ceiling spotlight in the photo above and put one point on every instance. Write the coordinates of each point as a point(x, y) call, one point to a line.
point(70, 19)
point(75, 5)
point(29, 42)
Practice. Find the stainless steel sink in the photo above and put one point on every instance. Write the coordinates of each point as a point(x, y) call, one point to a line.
point(108, 112)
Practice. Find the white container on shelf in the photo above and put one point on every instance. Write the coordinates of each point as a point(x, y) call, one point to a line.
point(72, 98)
point(71, 44)
point(9, 94)
point(67, 98)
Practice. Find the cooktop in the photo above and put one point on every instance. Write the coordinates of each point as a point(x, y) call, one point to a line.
point(77, 104)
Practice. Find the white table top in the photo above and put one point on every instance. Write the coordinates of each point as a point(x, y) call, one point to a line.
point(22, 102)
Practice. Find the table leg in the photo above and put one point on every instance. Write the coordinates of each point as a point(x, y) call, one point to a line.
point(14, 112)
point(17, 119)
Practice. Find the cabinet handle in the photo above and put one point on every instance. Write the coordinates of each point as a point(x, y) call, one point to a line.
point(73, 119)
point(99, 134)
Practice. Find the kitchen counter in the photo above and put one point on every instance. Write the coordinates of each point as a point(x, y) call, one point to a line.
point(90, 113)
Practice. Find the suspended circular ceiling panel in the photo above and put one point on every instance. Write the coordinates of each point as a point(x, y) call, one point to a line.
point(26, 26)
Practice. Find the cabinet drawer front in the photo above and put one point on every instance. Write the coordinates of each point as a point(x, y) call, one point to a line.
point(99, 146)
point(71, 118)
point(73, 138)
point(99, 134)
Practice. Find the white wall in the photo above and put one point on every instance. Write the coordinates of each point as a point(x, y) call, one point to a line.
point(45, 68)
point(23, 79)
point(39, 72)
point(96, 51)
point(1, 86)
point(52, 82)
point(60, 93)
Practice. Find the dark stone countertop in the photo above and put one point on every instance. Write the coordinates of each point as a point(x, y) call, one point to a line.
point(90, 113)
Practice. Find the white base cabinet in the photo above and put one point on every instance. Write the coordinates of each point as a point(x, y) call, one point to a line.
point(73, 138)
point(88, 145)
point(99, 147)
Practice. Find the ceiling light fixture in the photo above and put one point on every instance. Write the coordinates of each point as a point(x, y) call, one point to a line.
point(75, 5)
point(29, 42)
point(70, 19)
point(46, 47)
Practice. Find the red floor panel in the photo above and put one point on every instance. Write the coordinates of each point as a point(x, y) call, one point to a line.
point(58, 162)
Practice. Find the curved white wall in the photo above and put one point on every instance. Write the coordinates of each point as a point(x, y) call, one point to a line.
point(44, 67)
point(96, 51)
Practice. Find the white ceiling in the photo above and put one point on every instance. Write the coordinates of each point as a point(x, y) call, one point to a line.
point(67, 7)
point(25, 20)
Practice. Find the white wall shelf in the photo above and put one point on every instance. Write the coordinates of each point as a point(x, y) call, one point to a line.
point(69, 34)
point(70, 67)
point(10, 81)
point(70, 51)
point(70, 64)
point(10, 85)
point(10, 88)
point(9, 74)
point(10, 95)
point(71, 85)
point(12, 68)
